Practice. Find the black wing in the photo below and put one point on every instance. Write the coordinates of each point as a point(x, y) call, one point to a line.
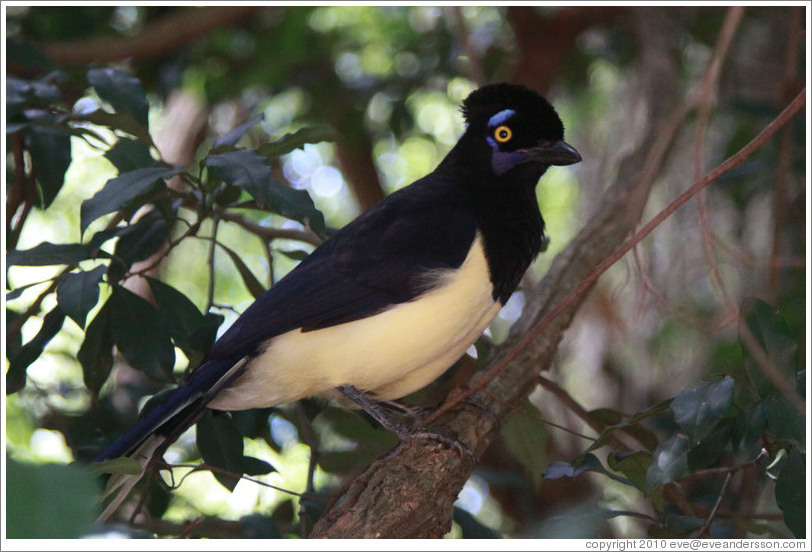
point(378, 260)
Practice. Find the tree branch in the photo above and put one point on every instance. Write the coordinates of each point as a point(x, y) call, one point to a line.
point(159, 37)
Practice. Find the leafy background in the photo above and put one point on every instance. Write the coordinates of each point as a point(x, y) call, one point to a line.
point(157, 181)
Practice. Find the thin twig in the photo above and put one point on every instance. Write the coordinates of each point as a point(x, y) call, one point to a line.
point(523, 412)
point(215, 469)
point(705, 95)
point(269, 234)
point(579, 410)
point(780, 202)
point(703, 531)
point(212, 249)
point(191, 231)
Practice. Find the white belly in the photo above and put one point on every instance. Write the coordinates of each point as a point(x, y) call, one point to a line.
point(389, 355)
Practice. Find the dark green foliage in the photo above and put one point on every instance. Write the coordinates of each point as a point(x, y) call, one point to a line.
point(96, 352)
point(141, 334)
point(28, 353)
point(51, 148)
point(253, 285)
point(191, 331)
point(251, 171)
point(50, 501)
point(715, 431)
point(128, 154)
point(46, 254)
point(220, 445)
point(121, 90)
point(78, 293)
point(472, 528)
point(118, 192)
point(790, 492)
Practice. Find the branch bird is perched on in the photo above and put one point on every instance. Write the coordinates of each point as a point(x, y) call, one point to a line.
point(394, 298)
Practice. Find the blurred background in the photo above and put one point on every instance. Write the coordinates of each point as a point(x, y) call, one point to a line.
point(389, 82)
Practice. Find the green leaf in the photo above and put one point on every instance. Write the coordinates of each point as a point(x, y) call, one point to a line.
point(243, 168)
point(704, 453)
point(204, 336)
point(251, 283)
point(221, 445)
point(46, 254)
point(50, 151)
point(121, 121)
point(192, 331)
point(296, 205)
point(525, 437)
point(296, 255)
point(31, 351)
point(120, 190)
point(698, 410)
point(253, 423)
point(472, 528)
point(143, 239)
point(249, 170)
point(746, 434)
point(773, 335)
point(290, 142)
point(669, 463)
point(790, 493)
point(78, 293)
point(783, 419)
point(609, 417)
point(140, 334)
point(128, 154)
point(96, 353)
point(121, 90)
point(629, 423)
point(587, 462)
point(231, 138)
point(16, 292)
point(255, 466)
point(49, 501)
point(13, 343)
point(634, 466)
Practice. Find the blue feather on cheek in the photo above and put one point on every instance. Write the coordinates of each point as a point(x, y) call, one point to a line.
point(503, 161)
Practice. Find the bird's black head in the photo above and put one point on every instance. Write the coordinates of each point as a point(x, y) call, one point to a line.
point(516, 130)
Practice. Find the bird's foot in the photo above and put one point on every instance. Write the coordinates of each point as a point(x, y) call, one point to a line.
point(404, 433)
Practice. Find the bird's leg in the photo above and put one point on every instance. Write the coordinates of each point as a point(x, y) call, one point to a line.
point(415, 413)
point(403, 432)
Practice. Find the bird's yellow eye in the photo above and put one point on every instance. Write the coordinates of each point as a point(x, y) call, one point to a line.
point(503, 134)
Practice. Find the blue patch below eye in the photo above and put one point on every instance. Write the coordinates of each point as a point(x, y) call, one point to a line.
point(501, 117)
point(503, 161)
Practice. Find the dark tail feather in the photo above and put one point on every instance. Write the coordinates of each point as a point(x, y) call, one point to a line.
point(162, 425)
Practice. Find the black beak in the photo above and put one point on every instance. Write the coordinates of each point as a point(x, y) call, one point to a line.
point(560, 153)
